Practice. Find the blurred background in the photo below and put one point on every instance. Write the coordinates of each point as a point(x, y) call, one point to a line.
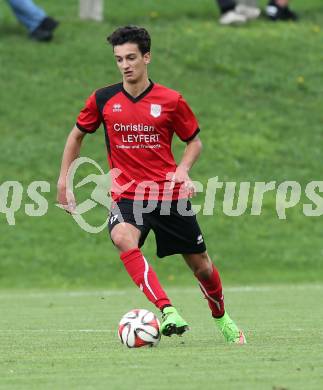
point(257, 92)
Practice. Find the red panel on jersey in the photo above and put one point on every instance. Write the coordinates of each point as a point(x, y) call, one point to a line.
point(89, 119)
point(139, 133)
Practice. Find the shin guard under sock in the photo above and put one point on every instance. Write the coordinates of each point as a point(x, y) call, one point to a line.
point(145, 277)
point(212, 290)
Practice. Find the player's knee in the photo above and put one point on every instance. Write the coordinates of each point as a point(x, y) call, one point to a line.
point(204, 268)
point(117, 239)
point(203, 273)
point(123, 242)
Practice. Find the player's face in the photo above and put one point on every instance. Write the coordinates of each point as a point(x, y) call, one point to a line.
point(131, 63)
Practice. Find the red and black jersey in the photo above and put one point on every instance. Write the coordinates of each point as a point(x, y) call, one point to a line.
point(138, 133)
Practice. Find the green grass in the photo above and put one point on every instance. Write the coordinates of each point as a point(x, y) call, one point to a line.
point(68, 340)
point(258, 95)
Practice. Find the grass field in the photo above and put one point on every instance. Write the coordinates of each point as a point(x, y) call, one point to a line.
point(257, 92)
point(68, 340)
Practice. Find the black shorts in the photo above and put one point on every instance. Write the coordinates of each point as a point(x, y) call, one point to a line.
point(175, 231)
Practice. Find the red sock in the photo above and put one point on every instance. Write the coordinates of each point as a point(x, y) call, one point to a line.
point(145, 277)
point(212, 290)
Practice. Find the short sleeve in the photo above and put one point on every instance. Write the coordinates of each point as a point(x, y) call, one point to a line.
point(89, 118)
point(184, 123)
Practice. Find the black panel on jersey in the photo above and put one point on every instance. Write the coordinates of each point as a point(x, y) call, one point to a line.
point(102, 95)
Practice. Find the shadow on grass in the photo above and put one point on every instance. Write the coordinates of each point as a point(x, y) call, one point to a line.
point(12, 31)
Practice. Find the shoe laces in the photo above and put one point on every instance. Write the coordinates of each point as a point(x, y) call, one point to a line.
point(166, 315)
point(230, 330)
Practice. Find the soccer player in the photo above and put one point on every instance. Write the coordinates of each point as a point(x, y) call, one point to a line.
point(150, 191)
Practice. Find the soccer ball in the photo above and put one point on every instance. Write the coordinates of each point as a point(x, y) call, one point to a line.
point(139, 328)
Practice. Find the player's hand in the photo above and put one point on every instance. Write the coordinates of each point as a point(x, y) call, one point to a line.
point(66, 199)
point(181, 176)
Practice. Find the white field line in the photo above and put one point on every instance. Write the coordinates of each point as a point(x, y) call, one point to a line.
point(8, 331)
point(186, 290)
point(57, 293)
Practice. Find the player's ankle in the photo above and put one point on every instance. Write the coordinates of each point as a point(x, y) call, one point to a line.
point(164, 307)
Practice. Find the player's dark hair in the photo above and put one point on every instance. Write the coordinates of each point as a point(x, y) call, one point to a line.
point(131, 34)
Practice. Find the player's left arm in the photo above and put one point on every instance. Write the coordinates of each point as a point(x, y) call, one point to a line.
point(191, 154)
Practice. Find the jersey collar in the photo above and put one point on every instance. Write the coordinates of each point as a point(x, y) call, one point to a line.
point(141, 96)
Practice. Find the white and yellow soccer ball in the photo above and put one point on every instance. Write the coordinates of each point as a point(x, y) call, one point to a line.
point(139, 328)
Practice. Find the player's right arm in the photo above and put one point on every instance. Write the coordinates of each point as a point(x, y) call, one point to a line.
point(88, 121)
point(71, 152)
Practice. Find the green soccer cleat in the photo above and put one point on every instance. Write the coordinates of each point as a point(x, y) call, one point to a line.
point(230, 331)
point(172, 322)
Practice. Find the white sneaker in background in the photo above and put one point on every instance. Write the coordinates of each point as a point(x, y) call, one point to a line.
point(247, 11)
point(231, 18)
